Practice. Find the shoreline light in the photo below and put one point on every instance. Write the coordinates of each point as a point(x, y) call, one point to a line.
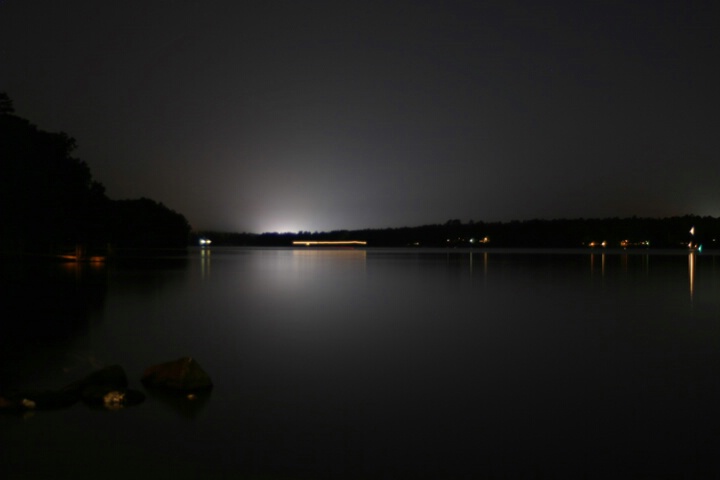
point(308, 243)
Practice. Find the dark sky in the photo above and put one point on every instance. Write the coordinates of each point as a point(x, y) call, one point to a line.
point(318, 115)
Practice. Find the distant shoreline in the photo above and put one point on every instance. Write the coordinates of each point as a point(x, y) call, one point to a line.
point(685, 232)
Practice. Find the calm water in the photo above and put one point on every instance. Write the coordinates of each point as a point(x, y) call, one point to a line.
point(375, 364)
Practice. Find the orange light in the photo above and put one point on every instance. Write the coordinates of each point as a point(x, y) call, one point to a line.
point(344, 242)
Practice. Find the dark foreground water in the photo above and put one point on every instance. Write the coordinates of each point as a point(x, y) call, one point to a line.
point(374, 364)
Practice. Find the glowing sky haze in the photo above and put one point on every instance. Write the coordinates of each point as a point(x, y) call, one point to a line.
point(320, 115)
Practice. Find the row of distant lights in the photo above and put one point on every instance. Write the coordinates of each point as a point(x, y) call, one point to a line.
point(623, 243)
point(474, 240)
point(628, 243)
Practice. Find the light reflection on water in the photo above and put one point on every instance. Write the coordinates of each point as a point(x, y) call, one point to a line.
point(337, 363)
point(691, 272)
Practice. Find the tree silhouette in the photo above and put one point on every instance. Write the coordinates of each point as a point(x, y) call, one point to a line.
point(144, 223)
point(45, 192)
point(49, 202)
point(6, 105)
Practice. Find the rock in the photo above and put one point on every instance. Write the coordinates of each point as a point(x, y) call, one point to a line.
point(51, 399)
point(37, 400)
point(110, 397)
point(10, 403)
point(113, 400)
point(6, 404)
point(106, 387)
point(113, 377)
point(117, 399)
point(184, 374)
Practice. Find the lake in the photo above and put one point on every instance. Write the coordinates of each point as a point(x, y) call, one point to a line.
point(374, 363)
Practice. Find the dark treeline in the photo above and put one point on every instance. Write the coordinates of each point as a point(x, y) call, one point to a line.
point(634, 232)
point(49, 203)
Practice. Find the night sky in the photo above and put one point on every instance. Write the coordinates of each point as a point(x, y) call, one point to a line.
point(319, 115)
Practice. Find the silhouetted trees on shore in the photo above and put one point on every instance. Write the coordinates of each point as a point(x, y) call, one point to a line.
point(50, 204)
point(145, 223)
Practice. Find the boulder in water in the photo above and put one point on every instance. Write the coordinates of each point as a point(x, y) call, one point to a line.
point(184, 374)
point(112, 377)
point(106, 387)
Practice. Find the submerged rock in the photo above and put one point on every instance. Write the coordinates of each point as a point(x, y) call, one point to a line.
point(110, 397)
point(112, 377)
point(184, 374)
point(106, 387)
point(37, 400)
point(114, 399)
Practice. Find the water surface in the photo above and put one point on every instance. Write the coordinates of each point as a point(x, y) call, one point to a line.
point(376, 364)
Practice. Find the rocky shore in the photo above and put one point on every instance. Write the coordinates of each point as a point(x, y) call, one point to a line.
point(108, 388)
